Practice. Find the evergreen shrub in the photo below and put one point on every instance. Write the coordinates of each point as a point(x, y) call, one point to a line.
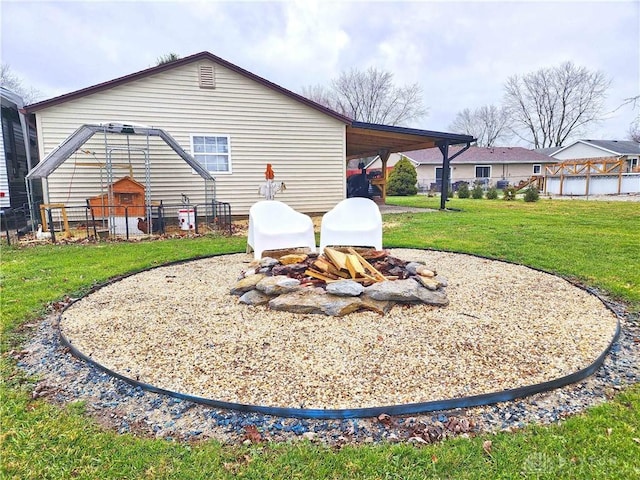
point(492, 193)
point(403, 179)
point(463, 190)
point(531, 194)
point(509, 193)
point(477, 191)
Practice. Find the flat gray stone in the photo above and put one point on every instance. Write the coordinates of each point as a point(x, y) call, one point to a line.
point(394, 290)
point(268, 262)
point(311, 301)
point(406, 291)
point(345, 288)
point(278, 285)
point(247, 283)
point(255, 297)
point(438, 297)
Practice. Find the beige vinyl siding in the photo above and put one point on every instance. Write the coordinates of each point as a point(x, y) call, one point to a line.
point(305, 147)
point(581, 150)
point(513, 172)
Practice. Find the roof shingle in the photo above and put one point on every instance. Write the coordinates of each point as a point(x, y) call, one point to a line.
point(480, 155)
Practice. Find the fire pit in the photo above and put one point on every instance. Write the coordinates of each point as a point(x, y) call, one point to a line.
point(339, 282)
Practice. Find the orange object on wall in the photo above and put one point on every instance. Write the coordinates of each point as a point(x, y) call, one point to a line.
point(127, 194)
point(269, 175)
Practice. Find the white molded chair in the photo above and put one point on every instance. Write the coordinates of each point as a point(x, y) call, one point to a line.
point(354, 222)
point(274, 225)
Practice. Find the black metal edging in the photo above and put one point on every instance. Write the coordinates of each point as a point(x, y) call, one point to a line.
point(311, 413)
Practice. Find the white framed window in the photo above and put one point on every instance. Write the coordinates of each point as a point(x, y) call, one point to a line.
point(483, 171)
point(537, 169)
point(212, 151)
point(632, 165)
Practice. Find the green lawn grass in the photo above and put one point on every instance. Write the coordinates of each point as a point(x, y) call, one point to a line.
point(596, 243)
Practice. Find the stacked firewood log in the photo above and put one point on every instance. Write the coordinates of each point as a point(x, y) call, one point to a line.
point(334, 265)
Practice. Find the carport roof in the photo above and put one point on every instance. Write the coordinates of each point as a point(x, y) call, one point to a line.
point(369, 139)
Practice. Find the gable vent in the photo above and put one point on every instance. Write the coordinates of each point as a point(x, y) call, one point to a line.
point(207, 76)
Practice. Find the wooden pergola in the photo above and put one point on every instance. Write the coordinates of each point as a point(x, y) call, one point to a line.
point(370, 139)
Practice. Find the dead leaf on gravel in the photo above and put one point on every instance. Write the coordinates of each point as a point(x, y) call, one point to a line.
point(385, 419)
point(418, 440)
point(487, 446)
point(433, 433)
point(252, 434)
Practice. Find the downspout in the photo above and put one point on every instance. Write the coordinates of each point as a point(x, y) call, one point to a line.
point(27, 148)
point(25, 132)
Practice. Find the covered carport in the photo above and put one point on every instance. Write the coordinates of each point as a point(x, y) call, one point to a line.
point(370, 139)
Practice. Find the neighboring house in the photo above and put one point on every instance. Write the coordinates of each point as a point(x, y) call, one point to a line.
point(496, 166)
point(230, 120)
point(17, 152)
point(625, 150)
point(595, 167)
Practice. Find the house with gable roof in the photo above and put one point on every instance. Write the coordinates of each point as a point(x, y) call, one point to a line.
point(595, 167)
point(626, 150)
point(497, 166)
point(228, 119)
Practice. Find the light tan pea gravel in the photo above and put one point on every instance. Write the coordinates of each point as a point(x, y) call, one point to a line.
point(177, 328)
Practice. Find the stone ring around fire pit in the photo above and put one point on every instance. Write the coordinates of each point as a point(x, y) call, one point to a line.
point(339, 281)
point(176, 329)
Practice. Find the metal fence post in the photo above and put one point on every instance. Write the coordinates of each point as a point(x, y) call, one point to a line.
point(51, 227)
point(126, 222)
point(86, 220)
point(6, 225)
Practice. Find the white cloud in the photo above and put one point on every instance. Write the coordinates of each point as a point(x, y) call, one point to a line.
point(459, 52)
point(307, 49)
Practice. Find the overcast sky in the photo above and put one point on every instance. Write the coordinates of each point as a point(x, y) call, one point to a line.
point(460, 53)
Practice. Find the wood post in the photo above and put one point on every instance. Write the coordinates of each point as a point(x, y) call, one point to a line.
point(50, 206)
point(384, 156)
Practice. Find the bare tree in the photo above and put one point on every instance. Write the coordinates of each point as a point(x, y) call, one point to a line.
point(487, 124)
point(370, 96)
point(167, 58)
point(12, 82)
point(634, 128)
point(553, 104)
point(634, 131)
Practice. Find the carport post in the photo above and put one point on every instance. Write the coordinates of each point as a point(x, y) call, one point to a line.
point(444, 188)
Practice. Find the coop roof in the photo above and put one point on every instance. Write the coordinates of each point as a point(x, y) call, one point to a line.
point(127, 185)
point(71, 144)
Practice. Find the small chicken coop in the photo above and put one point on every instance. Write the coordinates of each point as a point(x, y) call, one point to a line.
point(123, 204)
